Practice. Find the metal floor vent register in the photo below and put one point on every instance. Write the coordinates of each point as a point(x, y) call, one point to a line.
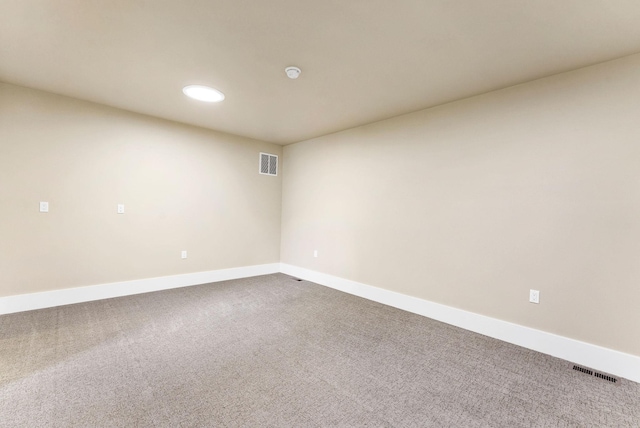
point(599, 375)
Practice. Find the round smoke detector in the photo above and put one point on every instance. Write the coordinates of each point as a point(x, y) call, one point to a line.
point(292, 72)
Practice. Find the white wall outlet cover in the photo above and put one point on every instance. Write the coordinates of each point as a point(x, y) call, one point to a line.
point(120, 208)
point(315, 253)
point(184, 254)
point(534, 296)
point(44, 207)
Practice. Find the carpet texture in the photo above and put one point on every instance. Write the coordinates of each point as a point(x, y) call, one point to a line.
point(273, 352)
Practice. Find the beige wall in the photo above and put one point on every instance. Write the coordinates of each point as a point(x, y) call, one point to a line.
point(473, 203)
point(470, 204)
point(184, 188)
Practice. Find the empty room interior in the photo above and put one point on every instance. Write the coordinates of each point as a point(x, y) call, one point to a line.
point(319, 213)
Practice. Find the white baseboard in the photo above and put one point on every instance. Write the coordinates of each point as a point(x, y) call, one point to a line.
point(67, 296)
point(596, 357)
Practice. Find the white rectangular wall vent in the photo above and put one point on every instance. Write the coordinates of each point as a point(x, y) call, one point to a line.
point(268, 164)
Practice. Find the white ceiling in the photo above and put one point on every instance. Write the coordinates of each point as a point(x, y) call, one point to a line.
point(361, 60)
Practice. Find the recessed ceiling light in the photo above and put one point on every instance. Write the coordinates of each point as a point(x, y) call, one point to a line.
point(203, 93)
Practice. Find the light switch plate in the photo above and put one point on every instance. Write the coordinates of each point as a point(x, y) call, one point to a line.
point(184, 254)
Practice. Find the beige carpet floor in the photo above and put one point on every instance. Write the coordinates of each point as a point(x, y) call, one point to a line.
point(273, 352)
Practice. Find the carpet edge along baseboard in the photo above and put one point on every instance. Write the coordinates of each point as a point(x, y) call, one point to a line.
point(68, 296)
point(596, 357)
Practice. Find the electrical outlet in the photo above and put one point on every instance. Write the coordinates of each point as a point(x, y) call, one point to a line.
point(184, 254)
point(44, 207)
point(534, 296)
point(120, 208)
point(315, 253)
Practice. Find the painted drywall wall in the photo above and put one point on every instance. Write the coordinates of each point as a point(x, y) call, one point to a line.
point(473, 203)
point(184, 188)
